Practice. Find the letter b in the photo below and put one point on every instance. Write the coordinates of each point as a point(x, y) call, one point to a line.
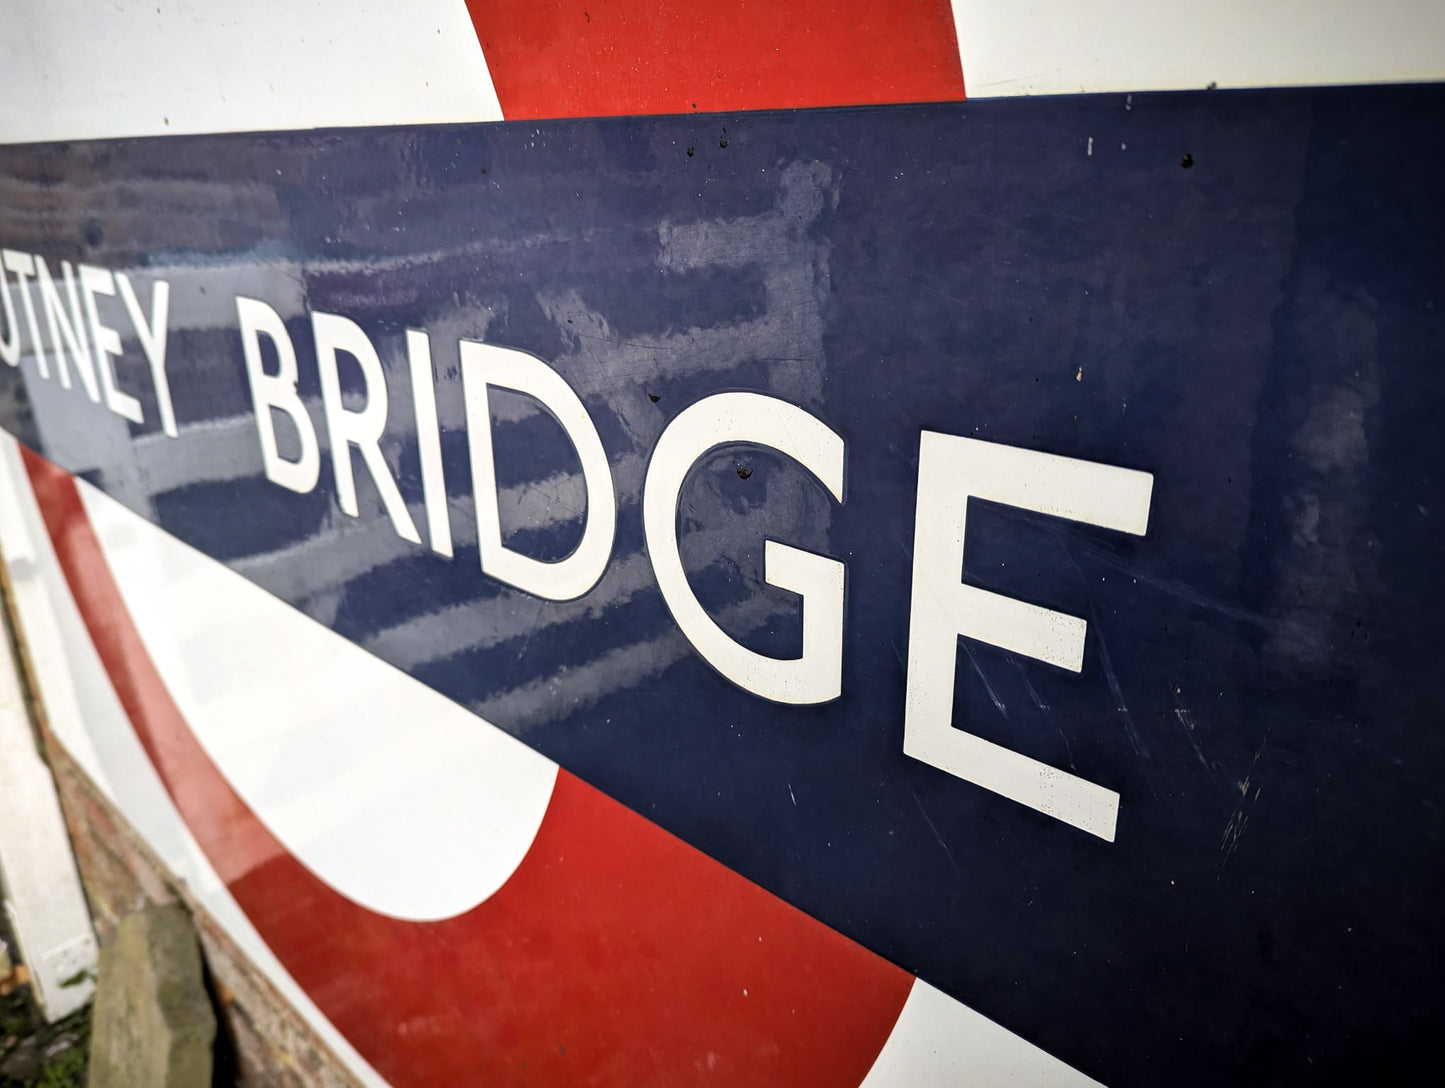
point(277, 392)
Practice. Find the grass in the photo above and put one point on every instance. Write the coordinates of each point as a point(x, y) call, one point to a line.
point(67, 1070)
point(34, 1054)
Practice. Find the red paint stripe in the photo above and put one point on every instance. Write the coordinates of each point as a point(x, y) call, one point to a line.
point(615, 955)
point(590, 58)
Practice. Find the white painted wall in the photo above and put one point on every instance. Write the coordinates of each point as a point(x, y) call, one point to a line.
point(39, 882)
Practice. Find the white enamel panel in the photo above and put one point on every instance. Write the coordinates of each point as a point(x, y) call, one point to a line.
point(86, 716)
point(303, 723)
point(941, 1043)
point(1062, 47)
point(73, 70)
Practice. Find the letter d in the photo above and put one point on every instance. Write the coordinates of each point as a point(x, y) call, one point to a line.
point(487, 365)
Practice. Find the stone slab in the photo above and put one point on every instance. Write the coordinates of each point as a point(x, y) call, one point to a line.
point(153, 1022)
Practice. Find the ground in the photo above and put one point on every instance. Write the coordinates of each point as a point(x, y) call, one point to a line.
point(34, 1054)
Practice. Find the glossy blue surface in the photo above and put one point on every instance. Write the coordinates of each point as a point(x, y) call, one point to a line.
point(1261, 329)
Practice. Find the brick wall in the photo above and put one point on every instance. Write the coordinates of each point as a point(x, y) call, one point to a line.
point(264, 1040)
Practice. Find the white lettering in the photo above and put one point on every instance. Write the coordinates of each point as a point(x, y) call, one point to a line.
point(67, 328)
point(487, 365)
point(817, 675)
point(10, 346)
point(276, 392)
point(152, 337)
point(429, 442)
point(362, 429)
point(951, 470)
point(23, 265)
point(97, 281)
